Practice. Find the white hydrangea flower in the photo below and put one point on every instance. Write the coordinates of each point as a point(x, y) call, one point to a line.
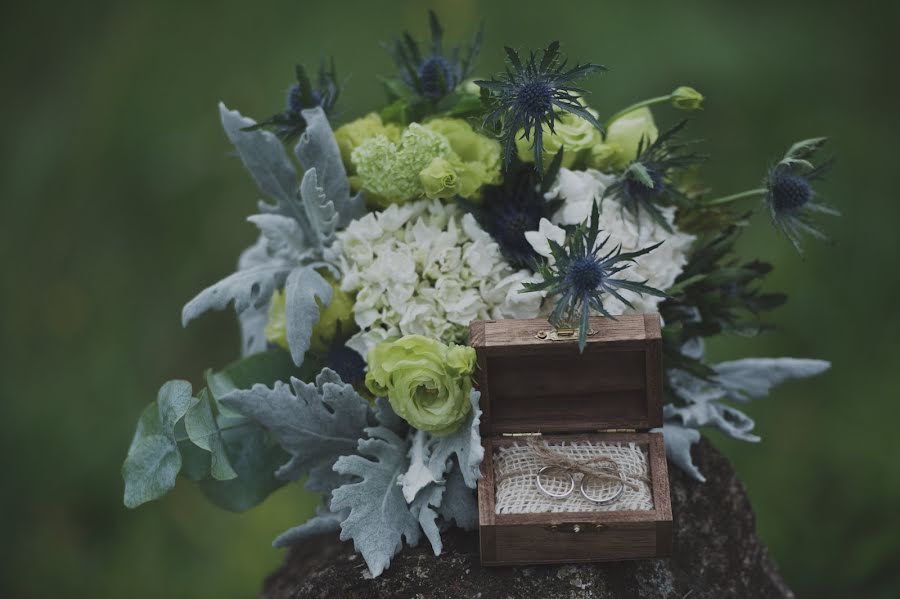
point(579, 190)
point(423, 268)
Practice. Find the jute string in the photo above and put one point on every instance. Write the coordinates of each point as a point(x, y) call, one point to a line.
point(600, 467)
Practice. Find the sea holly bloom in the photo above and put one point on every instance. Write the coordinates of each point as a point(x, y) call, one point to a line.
point(515, 206)
point(531, 95)
point(578, 275)
point(790, 197)
point(436, 74)
point(788, 192)
point(290, 124)
point(647, 180)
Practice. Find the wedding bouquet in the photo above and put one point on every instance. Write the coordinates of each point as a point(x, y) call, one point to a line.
point(458, 199)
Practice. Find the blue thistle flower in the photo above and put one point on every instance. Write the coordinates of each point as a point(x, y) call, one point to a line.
point(790, 196)
point(434, 75)
point(581, 275)
point(347, 363)
point(530, 94)
point(648, 180)
point(515, 206)
point(290, 124)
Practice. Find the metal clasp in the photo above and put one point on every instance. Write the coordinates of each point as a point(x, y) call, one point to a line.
point(560, 334)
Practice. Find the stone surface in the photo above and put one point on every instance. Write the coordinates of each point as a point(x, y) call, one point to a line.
point(717, 554)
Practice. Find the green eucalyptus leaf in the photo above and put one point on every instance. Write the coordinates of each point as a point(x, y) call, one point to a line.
point(254, 456)
point(202, 430)
point(153, 461)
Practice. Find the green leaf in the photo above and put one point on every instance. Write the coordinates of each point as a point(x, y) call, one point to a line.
point(254, 456)
point(201, 428)
point(153, 461)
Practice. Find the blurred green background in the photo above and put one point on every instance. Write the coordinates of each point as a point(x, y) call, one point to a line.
point(120, 201)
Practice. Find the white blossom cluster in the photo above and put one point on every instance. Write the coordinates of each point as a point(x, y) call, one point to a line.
point(579, 190)
point(424, 268)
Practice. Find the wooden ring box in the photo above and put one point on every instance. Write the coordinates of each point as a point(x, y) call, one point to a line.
point(533, 379)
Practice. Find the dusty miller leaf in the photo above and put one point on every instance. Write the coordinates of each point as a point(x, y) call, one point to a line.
point(314, 423)
point(424, 508)
point(379, 516)
point(465, 444)
point(304, 290)
point(324, 522)
point(386, 416)
point(250, 288)
point(754, 377)
point(321, 217)
point(727, 419)
point(458, 504)
point(153, 460)
point(317, 149)
point(284, 239)
point(418, 475)
point(263, 155)
point(678, 440)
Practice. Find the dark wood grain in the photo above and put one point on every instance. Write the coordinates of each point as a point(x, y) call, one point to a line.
point(516, 539)
point(530, 384)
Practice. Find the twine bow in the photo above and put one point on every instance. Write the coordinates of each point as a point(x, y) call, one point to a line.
point(600, 467)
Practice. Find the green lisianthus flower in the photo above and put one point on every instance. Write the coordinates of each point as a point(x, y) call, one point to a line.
point(427, 383)
point(619, 147)
point(476, 158)
point(572, 133)
point(353, 134)
point(439, 179)
point(337, 316)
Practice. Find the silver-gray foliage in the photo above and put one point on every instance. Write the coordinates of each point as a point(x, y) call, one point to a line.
point(465, 444)
point(737, 381)
point(379, 518)
point(297, 226)
point(315, 423)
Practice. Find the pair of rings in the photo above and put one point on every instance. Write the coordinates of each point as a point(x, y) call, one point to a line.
point(602, 500)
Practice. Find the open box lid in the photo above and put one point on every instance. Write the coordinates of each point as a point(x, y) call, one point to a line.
point(533, 380)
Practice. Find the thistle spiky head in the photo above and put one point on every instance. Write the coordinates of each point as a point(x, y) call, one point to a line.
point(529, 96)
point(580, 273)
point(433, 73)
point(790, 196)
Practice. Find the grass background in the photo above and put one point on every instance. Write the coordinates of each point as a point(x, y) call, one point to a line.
point(120, 202)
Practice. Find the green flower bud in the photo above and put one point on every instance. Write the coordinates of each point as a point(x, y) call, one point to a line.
point(622, 139)
point(354, 133)
point(337, 316)
point(427, 383)
point(571, 132)
point(687, 98)
point(439, 179)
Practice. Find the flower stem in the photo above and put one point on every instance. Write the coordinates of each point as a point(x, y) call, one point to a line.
point(736, 196)
point(641, 104)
